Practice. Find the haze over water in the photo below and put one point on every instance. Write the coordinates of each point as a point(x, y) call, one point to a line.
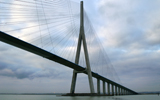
point(54, 97)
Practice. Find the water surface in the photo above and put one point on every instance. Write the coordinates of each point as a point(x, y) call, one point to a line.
point(54, 97)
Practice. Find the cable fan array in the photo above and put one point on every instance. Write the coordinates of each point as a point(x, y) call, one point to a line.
point(53, 25)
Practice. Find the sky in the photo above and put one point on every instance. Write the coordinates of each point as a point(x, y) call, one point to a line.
point(129, 31)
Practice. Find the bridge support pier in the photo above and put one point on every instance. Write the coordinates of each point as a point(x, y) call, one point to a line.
point(98, 86)
point(112, 89)
point(122, 91)
point(104, 87)
point(108, 86)
point(119, 90)
point(116, 89)
point(129, 92)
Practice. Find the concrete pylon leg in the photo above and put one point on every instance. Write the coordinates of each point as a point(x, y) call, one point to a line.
point(82, 38)
point(86, 51)
point(73, 84)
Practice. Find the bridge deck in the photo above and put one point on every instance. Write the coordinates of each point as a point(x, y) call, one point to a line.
point(31, 48)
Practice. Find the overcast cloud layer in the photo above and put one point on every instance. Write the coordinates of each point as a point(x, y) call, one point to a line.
point(130, 33)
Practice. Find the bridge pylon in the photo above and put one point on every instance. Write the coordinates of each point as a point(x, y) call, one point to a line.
point(88, 69)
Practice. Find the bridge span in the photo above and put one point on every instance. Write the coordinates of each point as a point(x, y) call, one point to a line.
point(113, 88)
point(119, 89)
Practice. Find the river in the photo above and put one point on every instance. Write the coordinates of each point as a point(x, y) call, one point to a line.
point(54, 97)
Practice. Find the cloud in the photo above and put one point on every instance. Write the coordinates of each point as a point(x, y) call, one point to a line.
point(22, 64)
point(129, 32)
point(130, 35)
point(128, 23)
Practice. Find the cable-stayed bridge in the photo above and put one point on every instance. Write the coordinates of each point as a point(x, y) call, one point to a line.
point(60, 30)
